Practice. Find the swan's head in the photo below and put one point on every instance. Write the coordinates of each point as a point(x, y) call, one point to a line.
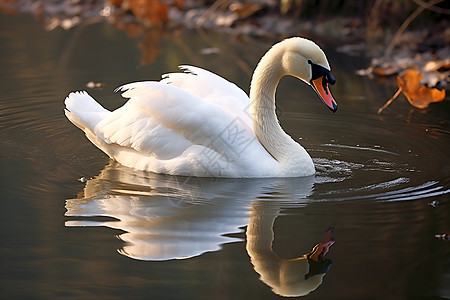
point(305, 60)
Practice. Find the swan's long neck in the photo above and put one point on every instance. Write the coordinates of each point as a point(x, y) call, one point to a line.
point(263, 87)
point(259, 241)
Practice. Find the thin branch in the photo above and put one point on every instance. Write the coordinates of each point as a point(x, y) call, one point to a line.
point(390, 100)
point(406, 24)
point(439, 10)
point(210, 11)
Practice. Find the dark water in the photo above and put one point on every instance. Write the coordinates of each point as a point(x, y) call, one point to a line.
point(129, 235)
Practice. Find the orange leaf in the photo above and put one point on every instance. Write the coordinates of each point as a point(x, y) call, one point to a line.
point(149, 46)
point(417, 94)
point(151, 11)
point(116, 3)
point(380, 72)
point(179, 4)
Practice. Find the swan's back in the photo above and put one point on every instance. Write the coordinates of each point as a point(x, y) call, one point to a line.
point(212, 88)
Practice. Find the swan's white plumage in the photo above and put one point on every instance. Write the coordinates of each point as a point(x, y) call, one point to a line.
point(166, 129)
point(192, 123)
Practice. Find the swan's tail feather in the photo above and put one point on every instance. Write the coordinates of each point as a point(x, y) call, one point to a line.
point(83, 111)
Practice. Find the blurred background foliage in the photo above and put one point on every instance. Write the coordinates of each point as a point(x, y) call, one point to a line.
point(397, 34)
point(378, 18)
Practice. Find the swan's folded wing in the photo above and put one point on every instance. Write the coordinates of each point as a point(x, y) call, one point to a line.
point(129, 127)
point(161, 116)
point(212, 88)
point(165, 121)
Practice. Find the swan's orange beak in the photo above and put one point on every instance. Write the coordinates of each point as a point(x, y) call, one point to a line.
point(320, 85)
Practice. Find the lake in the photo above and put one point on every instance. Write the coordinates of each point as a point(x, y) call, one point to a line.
point(76, 225)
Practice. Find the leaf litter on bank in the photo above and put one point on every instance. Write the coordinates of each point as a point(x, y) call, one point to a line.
point(420, 59)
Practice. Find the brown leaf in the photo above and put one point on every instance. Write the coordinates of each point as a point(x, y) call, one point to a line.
point(418, 95)
point(133, 30)
point(179, 4)
point(149, 45)
point(387, 69)
point(6, 7)
point(380, 72)
point(149, 11)
point(116, 3)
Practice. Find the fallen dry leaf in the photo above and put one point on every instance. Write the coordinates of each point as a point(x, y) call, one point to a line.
point(116, 3)
point(417, 94)
point(149, 45)
point(179, 4)
point(149, 12)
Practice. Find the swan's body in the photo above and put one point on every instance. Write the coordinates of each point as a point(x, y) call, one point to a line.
point(198, 124)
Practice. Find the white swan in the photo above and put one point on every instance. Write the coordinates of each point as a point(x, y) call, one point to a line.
point(198, 124)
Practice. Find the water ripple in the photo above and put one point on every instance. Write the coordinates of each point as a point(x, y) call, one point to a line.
point(426, 190)
point(376, 148)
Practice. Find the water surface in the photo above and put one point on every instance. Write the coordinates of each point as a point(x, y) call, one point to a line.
point(128, 234)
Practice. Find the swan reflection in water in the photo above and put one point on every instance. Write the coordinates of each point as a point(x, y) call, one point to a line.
point(171, 217)
point(287, 277)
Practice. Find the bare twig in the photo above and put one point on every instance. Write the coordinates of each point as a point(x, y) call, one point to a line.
point(440, 10)
point(218, 4)
point(390, 100)
point(406, 24)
